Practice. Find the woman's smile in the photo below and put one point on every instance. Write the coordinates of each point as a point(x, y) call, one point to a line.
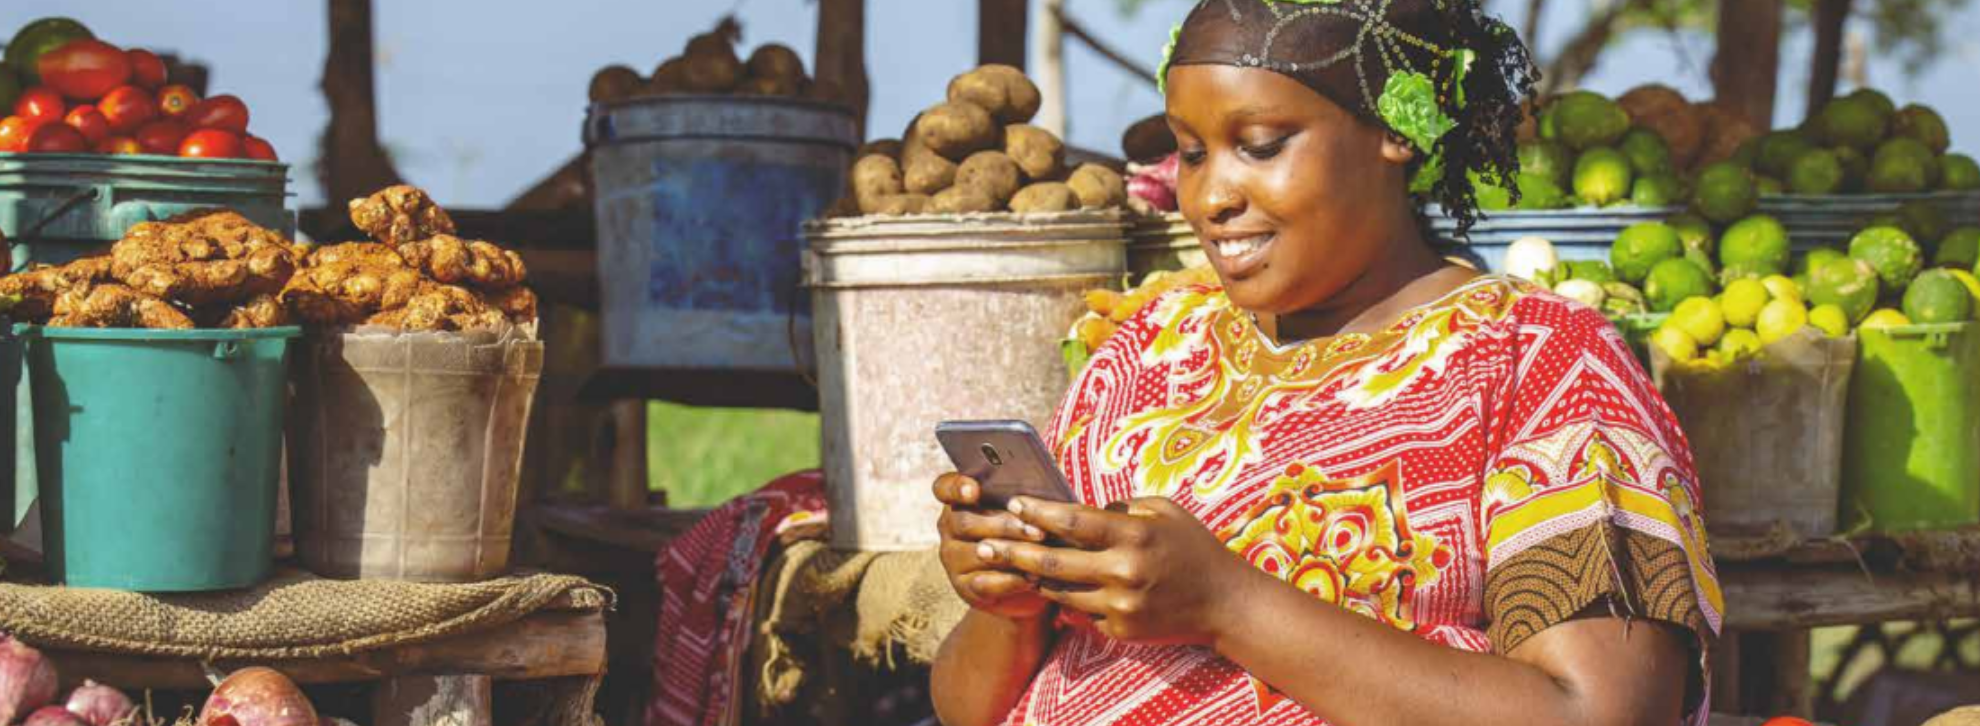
point(1237, 255)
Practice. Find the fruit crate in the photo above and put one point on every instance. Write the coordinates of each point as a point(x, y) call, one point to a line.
point(1577, 234)
point(1830, 220)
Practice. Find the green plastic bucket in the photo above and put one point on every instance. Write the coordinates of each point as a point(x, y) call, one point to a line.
point(57, 207)
point(1911, 453)
point(158, 453)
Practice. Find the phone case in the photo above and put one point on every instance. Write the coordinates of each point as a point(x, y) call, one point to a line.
point(1007, 458)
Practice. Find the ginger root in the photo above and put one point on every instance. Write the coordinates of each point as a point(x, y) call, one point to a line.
point(400, 214)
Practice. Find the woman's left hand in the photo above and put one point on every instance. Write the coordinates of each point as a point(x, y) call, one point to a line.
point(1145, 570)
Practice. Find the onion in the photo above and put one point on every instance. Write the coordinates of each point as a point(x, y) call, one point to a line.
point(258, 697)
point(99, 704)
point(27, 680)
point(54, 716)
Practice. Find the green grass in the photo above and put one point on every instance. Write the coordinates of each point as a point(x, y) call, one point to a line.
point(705, 456)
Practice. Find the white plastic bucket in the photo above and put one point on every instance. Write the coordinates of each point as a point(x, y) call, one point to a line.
point(920, 320)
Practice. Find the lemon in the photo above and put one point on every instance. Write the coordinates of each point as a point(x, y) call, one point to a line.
point(1700, 318)
point(1780, 319)
point(1972, 285)
point(1884, 318)
point(1738, 344)
point(1742, 302)
point(1830, 319)
point(1781, 287)
point(1675, 343)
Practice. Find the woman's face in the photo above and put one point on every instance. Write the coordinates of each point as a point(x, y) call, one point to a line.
point(1293, 197)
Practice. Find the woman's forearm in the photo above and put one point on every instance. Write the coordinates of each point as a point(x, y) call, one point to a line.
point(1355, 671)
point(985, 665)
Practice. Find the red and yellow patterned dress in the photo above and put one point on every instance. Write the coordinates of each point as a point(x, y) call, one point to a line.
point(1491, 464)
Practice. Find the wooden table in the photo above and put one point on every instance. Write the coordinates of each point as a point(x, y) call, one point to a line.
point(1777, 589)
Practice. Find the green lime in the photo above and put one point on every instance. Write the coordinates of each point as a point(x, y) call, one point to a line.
point(1780, 319)
point(1552, 160)
point(1901, 166)
point(1892, 253)
point(1779, 149)
point(1724, 193)
point(1694, 232)
point(1847, 283)
point(1672, 281)
point(1961, 173)
point(1924, 221)
point(1758, 243)
point(1647, 152)
point(1854, 121)
point(1960, 249)
point(1937, 297)
point(1876, 98)
point(1595, 271)
point(1586, 120)
point(1537, 192)
point(1923, 124)
point(1742, 300)
point(1640, 247)
point(1657, 190)
point(1602, 176)
point(1856, 168)
point(1816, 172)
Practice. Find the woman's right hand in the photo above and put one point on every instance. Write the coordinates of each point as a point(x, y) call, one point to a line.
point(994, 589)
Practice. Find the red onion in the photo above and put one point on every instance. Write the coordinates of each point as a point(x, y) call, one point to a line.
point(27, 680)
point(99, 704)
point(54, 716)
point(258, 697)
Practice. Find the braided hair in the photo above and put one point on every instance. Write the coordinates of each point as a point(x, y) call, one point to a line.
point(1441, 73)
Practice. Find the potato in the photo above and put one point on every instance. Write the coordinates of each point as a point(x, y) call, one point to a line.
point(1040, 154)
point(712, 73)
point(614, 83)
point(1149, 139)
point(884, 147)
point(776, 61)
point(1002, 90)
point(768, 86)
point(962, 199)
point(1098, 187)
point(925, 172)
point(875, 177)
point(957, 129)
point(715, 42)
point(992, 172)
point(1045, 197)
point(668, 77)
point(900, 204)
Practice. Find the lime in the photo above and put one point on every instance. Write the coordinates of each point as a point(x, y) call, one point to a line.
point(32, 40)
point(1595, 271)
point(1972, 285)
point(1491, 197)
point(1854, 121)
point(1855, 165)
point(1694, 232)
point(1884, 318)
point(1675, 343)
point(1901, 166)
point(1647, 152)
point(1538, 192)
point(1779, 149)
point(1657, 190)
point(1585, 120)
point(1552, 160)
point(1877, 99)
point(1602, 176)
point(1758, 243)
point(1830, 319)
point(1924, 221)
point(1699, 318)
point(1780, 319)
point(1960, 249)
point(1814, 258)
point(1923, 124)
point(1891, 253)
point(1724, 193)
point(1672, 281)
point(1961, 173)
point(1742, 301)
point(1640, 247)
point(1781, 288)
point(1816, 172)
point(1704, 262)
point(1847, 283)
point(1738, 345)
point(1937, 297)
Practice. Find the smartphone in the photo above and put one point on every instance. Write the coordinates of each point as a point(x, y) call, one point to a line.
point(1007, 458)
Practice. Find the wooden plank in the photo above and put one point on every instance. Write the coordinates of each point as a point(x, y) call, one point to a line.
point(1795, 598)
point(639, 530)
point(1000, 32)
point(544, 645)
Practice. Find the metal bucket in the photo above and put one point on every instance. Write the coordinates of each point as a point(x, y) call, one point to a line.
point(57, 207)
point(1166, 242)
point(1577, 234)
point(927, 319)
point(700, 204)
point(1830, 220)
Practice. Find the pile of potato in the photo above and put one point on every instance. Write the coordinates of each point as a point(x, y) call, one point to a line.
point(710, 65)
point(976, 152)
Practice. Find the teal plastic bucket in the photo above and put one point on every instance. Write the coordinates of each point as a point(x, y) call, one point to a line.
point(57, 207)
point(1911, 452)
point(159, 454)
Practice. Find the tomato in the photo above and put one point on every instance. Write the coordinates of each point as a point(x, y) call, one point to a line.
point(1786, 721)
point(118, 145)
point(84, 69)
point(162, 137)
point(176, 99)
point(14, 132)
point(127, 108)
point(211, 144)
point(90, 122)
point(225, 111)
point(255, 147)
point(40, 105)
point(147, 71)
point(56, 139)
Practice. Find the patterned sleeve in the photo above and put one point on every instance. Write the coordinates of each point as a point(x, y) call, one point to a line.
point(1589, 494)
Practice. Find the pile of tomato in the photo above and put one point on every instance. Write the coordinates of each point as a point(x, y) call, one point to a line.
point(75, 94)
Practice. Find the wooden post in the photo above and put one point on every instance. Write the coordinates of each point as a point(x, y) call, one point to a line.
point(628, 488)
point(1000, 32)
point(1748, 61)
point(1774, 677)
point(842, 52)
point(434, 701)
point(353, 164)
point(1050, 73)
point(1830, 15)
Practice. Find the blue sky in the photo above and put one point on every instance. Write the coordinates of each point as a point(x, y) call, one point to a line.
point(480, 98)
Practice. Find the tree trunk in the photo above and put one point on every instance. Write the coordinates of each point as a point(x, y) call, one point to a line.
point(1578, 57)
point(842, 52)
point(1830, 15)
point(1530, 29)
point(1000, 32)
point(1747, 66)
point(353, 163)
point(1050, 75)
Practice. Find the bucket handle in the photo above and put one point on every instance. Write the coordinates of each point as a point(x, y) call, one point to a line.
point(227, 349)
point(68, 205)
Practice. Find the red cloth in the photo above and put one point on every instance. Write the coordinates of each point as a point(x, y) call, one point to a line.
point(708, 584)
point(1156, 184)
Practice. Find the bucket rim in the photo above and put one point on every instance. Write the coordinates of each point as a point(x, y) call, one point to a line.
point(30, 330)
point(684, 99)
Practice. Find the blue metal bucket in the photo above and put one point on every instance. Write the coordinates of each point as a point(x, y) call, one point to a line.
point(57, 207)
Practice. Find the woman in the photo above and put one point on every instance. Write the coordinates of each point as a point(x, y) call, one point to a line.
point(1355, 485)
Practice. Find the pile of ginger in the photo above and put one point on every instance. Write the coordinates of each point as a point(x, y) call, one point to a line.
point(216, 269)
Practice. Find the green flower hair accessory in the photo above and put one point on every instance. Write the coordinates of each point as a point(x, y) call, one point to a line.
point(1409, 105)
point(1168, 56)
point(1460, 66)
